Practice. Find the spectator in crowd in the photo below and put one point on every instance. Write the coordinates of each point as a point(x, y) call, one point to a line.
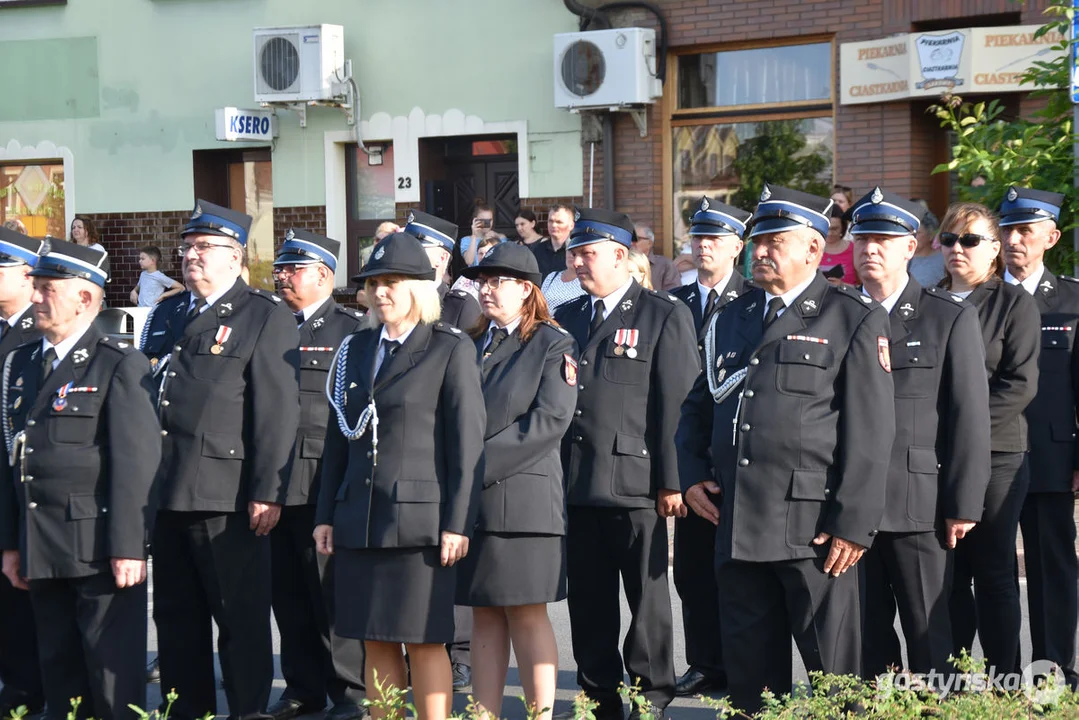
point(384, 229)
point(154, 285)
point(927, 265)
point(639, 269)
point(685, 264)
point(561, 287)
point(551, 251)
point(483, 219)
point(664, 275)
point(490, 239)
point(16, 225)
point(525, 222)
point(837, 264)
point(843, 197)
point(83, 232)
point(1011, 330)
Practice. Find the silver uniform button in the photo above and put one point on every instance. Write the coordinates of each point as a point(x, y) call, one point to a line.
point(367, 481)
point(584, 362)
point(806, 356)
point(755, 361)
point(32, 506)
point(164, 403)
point(746, 427)
point(164, 433)
point(172, 374)
point(29, 450)
point(176, 349)
point(644, 452)
point(748, 393)
point(31, 423)
point(744, 462)
point(28, 478)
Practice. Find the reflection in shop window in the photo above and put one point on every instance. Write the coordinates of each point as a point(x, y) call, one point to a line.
point(251, 190)
point(33, 194)
point(733, 161)
point(756, 76)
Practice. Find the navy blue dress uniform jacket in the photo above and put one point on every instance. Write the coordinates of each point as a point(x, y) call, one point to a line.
point(430, 443)
point(816, 422)
point(690, 295)
point(24, 331)
point(940, 458)
point(1011, 333)
point(530, 390)
point(320, 336)
point(230, 415)
point(83, 490)
point(1054, 452)
point(620, 448)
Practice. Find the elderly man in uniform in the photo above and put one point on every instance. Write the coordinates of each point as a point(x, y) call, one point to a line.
point(940, 459)
point(665, 275)
point(795, 406)
point(19, 672)
point(76, 499)
point(225, 357)
point(314, 661)
point(438, 236)
point(1028, 219)
point(716, 231)
point(637, 362)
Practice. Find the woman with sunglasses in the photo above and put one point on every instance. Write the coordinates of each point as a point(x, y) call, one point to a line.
point(517, 562)
point(400, 471)
point(1011, 327)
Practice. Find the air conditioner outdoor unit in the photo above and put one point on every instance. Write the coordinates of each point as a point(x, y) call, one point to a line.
point(605, 69)
point(298, 64)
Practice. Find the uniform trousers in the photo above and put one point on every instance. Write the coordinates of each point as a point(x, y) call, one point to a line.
point(694, 553)
point(911, 571)
point(19, 673)
point(601, 545)
point(210, 567)
point(1048, 523)
point(986, 557)
point(92, 644)
point(315, 661)
point(764, 603)
point(461, 648)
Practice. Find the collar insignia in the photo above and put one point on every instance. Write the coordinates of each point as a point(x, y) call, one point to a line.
point(1046, 284)
point(906, 308)
point(316, 324)
point(80, 356)
point(26, 323)
point(732, 294)
point(626, 305)
point(810, 304)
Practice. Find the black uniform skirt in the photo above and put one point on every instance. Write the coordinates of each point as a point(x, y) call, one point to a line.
point(394, 595)
point(508, 569)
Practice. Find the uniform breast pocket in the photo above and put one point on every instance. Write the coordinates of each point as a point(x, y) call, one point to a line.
point(914, 369)
point(626, 366)
point(801, 367)
point(73, 420)
point(313, 369)
point(1055, 357)
point(222, 362)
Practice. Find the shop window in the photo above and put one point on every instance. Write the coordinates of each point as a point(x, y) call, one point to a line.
point(747, 115)
point(33, 195)
point(370, 185)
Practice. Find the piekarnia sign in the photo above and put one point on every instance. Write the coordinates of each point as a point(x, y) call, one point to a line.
point(248, 125)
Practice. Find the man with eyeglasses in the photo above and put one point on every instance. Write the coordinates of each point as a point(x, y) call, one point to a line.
point(225, 357)
point(314, 661)
point(715, 231)
point(1028, 220)
point(939, 465)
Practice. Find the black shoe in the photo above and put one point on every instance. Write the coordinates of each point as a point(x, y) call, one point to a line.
point(287, 708)
point(347, 711)
point(695, 682)
point(153, 672)
point(462, 676)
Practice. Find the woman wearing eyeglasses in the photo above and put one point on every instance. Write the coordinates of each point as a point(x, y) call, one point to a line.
point(1011, 328)
point(400, 471)
point(517, 562)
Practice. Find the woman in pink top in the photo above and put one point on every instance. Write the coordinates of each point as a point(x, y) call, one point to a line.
point(837, 264)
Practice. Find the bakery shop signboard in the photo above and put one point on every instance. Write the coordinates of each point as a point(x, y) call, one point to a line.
point(930, 64)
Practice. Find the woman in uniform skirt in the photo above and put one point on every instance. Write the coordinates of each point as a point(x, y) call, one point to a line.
point(1011, 329)
point(401, 469)
point(517, 562)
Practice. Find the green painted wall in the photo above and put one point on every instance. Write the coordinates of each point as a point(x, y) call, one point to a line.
point(130, 86)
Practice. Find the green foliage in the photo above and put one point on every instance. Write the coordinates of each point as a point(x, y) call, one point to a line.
point(1036, 152)
point(779, 153)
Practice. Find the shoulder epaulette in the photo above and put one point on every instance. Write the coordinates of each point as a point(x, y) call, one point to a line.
point(447, 328)
point(121, 346)
point(665, 296)
point(855, 294)
point(1068, 278)
point(557, 328)
point(356, 314)
point(265, 294)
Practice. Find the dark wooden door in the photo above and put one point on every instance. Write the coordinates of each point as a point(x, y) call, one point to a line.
point(495, 182)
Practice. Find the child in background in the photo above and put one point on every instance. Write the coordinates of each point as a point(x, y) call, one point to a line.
point(154, 285)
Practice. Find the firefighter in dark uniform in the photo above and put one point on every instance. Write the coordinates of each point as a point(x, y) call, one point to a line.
point(19, 672)
point(1028, 220)
point(461, 310)
point(940, 459)
point(796, 407)
point(225, 357)
point(637, 362)
point(715, 232)
point(314, 661)
point(76, 498)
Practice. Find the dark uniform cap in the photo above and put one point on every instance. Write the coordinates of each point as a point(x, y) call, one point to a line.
point(782, 209)
point(716, 218)
point(63, 259)
point(593, 225)
point(431, 231)
point(507, 259)
point(885, 213)
point(18, 249)
point(210, 219)
point(306, 248)
point(398, 254)
point(1023, 205)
